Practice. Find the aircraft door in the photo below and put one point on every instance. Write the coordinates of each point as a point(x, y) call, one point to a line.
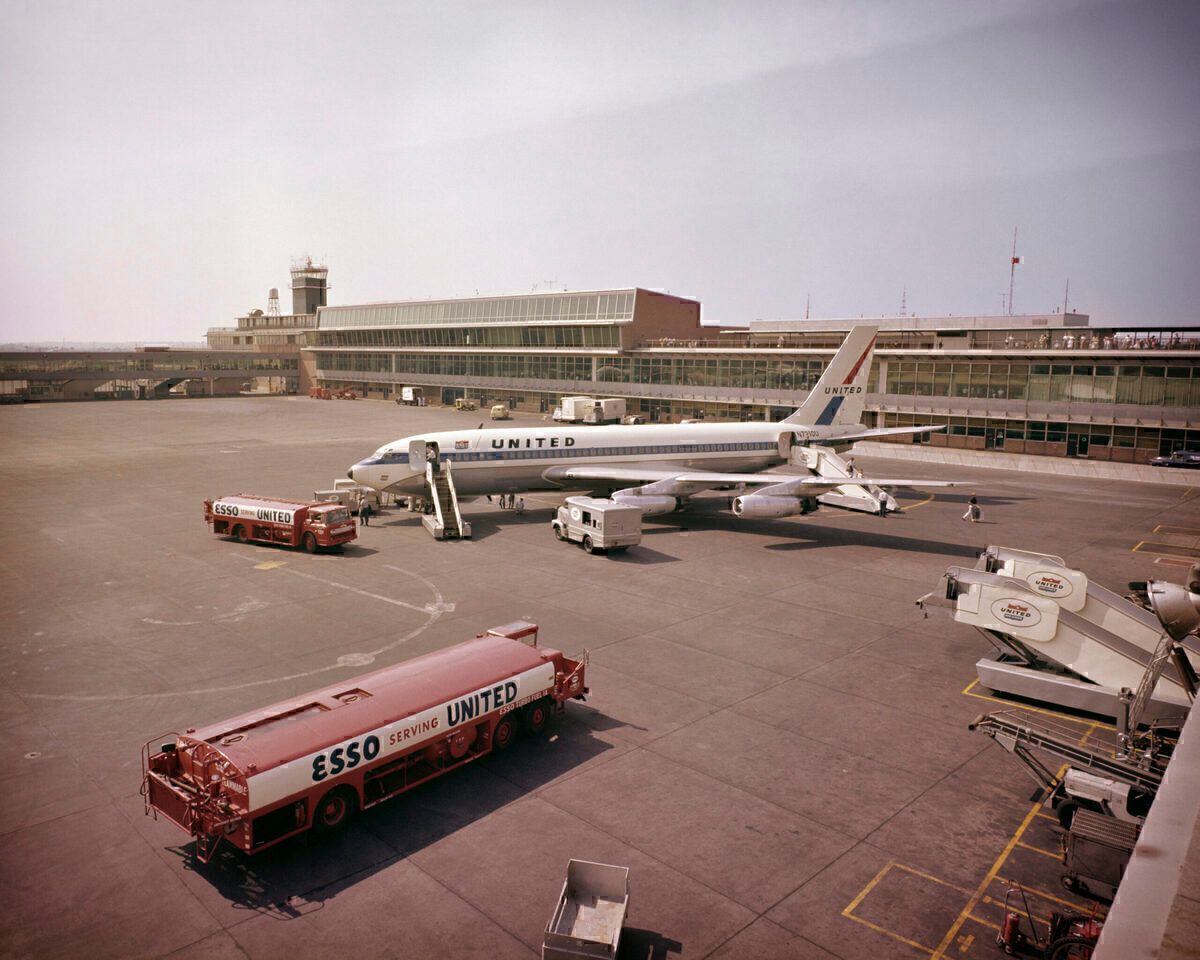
point(785, 446)
point(416, 455)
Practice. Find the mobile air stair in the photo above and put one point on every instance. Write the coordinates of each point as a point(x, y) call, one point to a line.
point(446, 522)
point(1061, 639)
point(824, 462)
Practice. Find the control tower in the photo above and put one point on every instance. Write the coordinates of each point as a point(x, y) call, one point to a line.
point(309, 285)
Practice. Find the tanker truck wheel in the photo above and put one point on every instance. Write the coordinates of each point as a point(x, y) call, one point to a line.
point(310, 543)
point(239, 533)
point(505, 733)
point(336, 809)
point(537, 715)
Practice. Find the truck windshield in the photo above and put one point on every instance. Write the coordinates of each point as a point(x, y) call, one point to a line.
point(335, 516)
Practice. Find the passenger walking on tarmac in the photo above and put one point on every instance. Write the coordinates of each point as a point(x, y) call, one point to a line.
point(521, 507)
point(364, 510)
point(850, 466)
point(973, 512)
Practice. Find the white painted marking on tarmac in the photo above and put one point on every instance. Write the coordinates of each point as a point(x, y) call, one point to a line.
point(431, 611)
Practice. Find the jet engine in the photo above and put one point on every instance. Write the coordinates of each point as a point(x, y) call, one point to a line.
point(758, 505)
point(650, 504)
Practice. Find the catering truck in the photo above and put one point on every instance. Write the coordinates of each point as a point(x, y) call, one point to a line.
point(293, 523)
point(598, 524)
point(314, 761)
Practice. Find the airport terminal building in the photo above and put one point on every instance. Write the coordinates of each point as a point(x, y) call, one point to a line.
point(1048, 384)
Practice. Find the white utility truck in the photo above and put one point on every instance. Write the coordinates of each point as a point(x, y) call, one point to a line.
point(598, 524)
point(608, 410)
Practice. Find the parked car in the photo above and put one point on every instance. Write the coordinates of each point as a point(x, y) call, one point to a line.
point(1180, 458)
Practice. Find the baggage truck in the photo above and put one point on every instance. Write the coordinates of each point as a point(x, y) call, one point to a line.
point(609, 410)
point(312, 762)
point(313, 525)
point(590, 914)
point(410, 397)
point(598, 524)
point(572, 409)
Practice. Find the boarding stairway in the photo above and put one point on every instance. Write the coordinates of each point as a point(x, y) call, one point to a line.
point(446, 522)
point(824, 462)
point(1062, 639)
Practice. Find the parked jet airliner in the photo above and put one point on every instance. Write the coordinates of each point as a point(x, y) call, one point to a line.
point(657, 466)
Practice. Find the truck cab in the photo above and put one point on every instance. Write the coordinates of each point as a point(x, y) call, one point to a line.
point(598, 524)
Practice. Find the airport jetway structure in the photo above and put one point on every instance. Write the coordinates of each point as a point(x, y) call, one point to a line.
point(1062, 639)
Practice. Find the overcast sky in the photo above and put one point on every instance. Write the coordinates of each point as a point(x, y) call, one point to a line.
point(163, 163)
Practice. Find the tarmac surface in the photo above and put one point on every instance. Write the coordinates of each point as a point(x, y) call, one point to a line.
point(776, 742)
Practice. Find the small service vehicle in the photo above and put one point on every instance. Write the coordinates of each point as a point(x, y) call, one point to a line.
point(313, 761)
point(590, 914)
point(319, 393)
point(598, 524)
point(294, 523)
point(500, 411)
point(410, 397)
point(464, 403)
point(1188, 459)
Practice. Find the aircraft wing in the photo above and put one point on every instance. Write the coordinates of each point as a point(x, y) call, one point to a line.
point(873, 432)
point(662, 479)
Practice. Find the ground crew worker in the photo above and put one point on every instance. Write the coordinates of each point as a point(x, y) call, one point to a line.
point(364, 510)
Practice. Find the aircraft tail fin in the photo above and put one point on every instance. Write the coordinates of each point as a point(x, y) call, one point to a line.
point(840, 395)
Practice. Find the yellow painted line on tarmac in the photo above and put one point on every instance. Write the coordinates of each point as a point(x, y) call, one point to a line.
point(1012, 705)
point(849, 914)
point(1171, 528)
point(1165, 549)
point(964, 943)
point(270, 565)
point(913, 506)
point(981, 890)
point(1041, 894)
point(1052, 854)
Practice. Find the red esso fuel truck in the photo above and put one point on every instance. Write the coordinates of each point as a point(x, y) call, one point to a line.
point(293, 523)
point(312, 762)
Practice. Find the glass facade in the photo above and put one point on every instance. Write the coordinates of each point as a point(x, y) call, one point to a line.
point(544, 308)
point(501, 337)
point(510, 366)
point(1147, 384)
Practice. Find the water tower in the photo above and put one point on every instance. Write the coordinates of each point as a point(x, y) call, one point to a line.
point(309, 284)
point(273, 303)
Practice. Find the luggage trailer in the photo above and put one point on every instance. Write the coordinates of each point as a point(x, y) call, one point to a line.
point(312, 762)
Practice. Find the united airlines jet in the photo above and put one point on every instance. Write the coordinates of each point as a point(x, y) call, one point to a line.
point(658, 466)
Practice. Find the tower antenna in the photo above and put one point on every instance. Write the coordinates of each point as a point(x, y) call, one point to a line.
point(1012, 270)
point(1066, 296)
